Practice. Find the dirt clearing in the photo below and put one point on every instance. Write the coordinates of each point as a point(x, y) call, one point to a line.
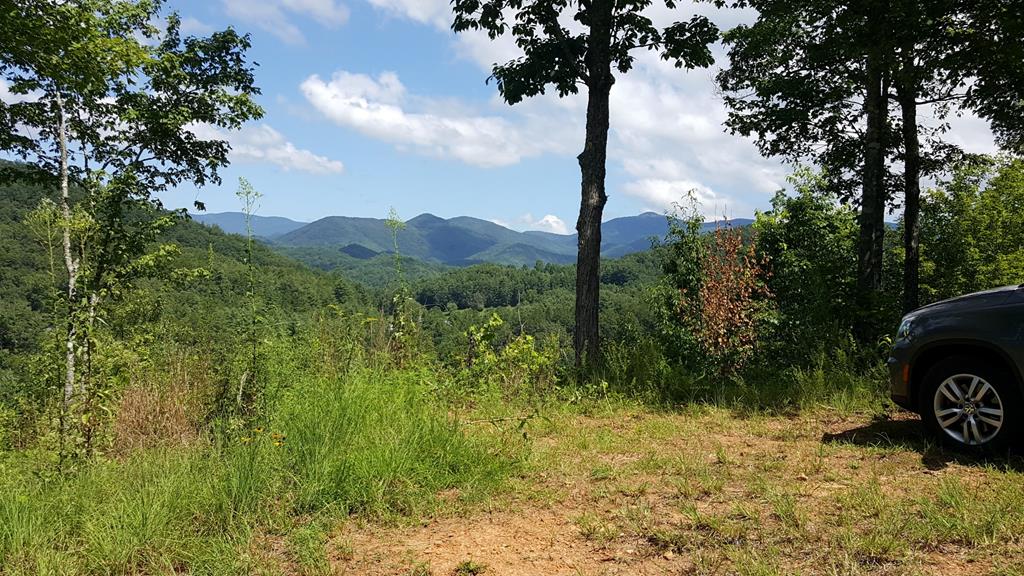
point(713, 492)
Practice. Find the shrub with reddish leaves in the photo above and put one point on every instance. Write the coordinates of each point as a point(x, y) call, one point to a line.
point(730, 300)
point(723, 302)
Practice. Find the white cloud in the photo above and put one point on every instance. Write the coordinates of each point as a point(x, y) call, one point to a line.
point(437, 13)
point(551, 223)
point(972, 133)
point(326, 11)
point(547, 223)
point(380, 108)
point(255, 143)
point(667, 130)
point(263, 144)
point(191, 26)
point(273, 15)
point(661, 195)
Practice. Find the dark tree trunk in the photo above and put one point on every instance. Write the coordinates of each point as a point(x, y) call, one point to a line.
point(586, 337)
point(872, 210)
point(911, 180)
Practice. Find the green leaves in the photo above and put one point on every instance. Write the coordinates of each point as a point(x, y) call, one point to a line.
point(563, 56)
point(131, 104)
point(989, 56)
point(971, 238)
point(810, 241)
point(686, 43)
point(795, 82)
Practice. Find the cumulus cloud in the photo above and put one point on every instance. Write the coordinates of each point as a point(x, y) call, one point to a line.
point(273, 15)
point(661, 195)
point(972, 134)
point(668, 134)
point(437, 13)
point(263, 144)
point(667, 131)
point(381, 108)
point(547, 223)
point(195, 27)
point(551, 223)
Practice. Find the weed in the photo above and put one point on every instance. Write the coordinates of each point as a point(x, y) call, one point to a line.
point(638, 518)
point(469, 568)
point(419, 569)
point(669, 539)
point(374, 443)
point(308, 546)
point(785, 510)
point(377, 444)
point(752, 562)
point(597, 530)
point(602, 472)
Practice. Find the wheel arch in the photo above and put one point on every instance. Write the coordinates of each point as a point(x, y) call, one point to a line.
point(935, 352)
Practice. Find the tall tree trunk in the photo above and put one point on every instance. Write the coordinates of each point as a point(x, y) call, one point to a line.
point(911, 179)
point(70, 262)
point(586, 337)
point(872, 211)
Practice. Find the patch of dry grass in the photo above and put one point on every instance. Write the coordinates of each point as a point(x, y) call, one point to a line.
point(707, 492)
point(813, 494)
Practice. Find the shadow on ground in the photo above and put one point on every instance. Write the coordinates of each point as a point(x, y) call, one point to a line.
point(909, 434)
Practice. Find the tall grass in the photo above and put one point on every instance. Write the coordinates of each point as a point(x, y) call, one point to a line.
point(371, 443)
point(847, 380)
point(376, 443)
point(151, 513)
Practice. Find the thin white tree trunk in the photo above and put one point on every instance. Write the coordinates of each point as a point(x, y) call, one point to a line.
point(70, 262)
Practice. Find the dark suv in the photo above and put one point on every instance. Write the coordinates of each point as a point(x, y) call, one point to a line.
point(958, 363)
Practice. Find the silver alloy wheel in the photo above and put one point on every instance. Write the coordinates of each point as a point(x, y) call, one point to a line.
point(969, 409)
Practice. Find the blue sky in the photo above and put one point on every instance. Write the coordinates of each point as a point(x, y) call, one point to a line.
point(372, 104)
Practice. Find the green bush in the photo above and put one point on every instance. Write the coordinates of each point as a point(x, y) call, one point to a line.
point(809, 241)
point(971, 233)
point(521, 368)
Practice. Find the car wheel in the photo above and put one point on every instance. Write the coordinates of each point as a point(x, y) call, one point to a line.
point(970, 405)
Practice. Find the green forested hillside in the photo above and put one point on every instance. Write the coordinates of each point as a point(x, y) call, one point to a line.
point(25, 283)
point(201, 290)
point(456, 241)
point(211, 294)
point(377, 271)
point(338, 242)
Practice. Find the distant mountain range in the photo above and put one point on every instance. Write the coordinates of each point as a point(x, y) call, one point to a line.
point(456, 241)
point(266, 227)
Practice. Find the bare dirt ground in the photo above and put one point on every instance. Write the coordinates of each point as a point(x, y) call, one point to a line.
point(713, 492)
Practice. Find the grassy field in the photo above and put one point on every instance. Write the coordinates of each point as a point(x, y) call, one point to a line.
point(373, 475)
point(707, 491)
point(258, 500)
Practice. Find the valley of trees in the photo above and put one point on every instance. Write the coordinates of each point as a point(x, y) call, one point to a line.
point(170, 393)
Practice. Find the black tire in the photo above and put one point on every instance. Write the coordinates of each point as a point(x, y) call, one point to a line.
point(974, 429)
